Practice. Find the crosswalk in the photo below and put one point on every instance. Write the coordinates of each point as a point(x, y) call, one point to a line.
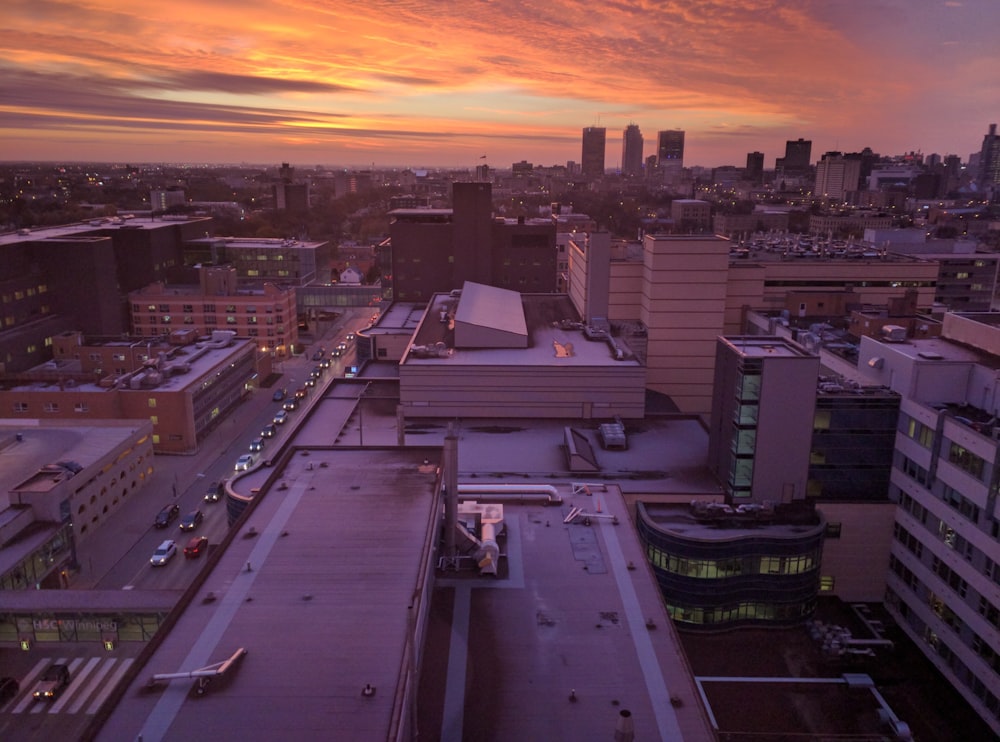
point(92, 679)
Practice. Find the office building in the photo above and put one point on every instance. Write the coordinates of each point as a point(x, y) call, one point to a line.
point(437, 250)
point(755, 167)
point(836, 175)
point(670, 154)
point(163, 199)
point(185, 384)
point(260, 260)
point(943, 567)
point(77, 277)
point(761, 425)
point(592, 155)
point(267, 315)
point(632, 151)
point(989, 161)
point(797, 159)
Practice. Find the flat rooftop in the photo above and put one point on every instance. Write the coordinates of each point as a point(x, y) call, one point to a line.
point(337, 556)
point(186, 364)
point(95, 228)
point(554, 333)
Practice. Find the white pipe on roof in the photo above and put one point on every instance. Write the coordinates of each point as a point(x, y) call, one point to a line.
point(522, 491)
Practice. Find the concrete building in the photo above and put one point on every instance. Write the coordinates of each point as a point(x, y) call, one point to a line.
point(490, 352)
point(267, 316)
point(761, 426)
point(691, 215)
point(285, 262)
point(437, 250)
point(632, 151)
point(62, 480)
point(836, 175)
point(755, 167)
point(592, 152)
point(77, 277)
point(682, 292)
point(797, 159)
point(670, 155)
point(185, 385)
point(943, 577)
point(989, 162)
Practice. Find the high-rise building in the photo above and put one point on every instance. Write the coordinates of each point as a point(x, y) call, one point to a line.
point(755, 167)
point(944, 563)
point(632, 151)
point(798, 154)
point(837, 174)
point(989, 160)
point(670, 154)
point(592, 156)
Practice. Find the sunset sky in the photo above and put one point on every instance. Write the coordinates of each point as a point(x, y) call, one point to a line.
point(407, 83)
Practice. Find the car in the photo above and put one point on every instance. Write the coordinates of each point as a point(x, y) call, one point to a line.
point(318, 354)
point(341, 346)
point(8, 689)
point(311, 381)
point(291, 404)
point(166, 516)
point(280, 417)
point(191, 521)
point(279, 395)
point(214, 493)
point(301, 392)
point(256, 445)
point(325, 363)
point(164, 553)
point(268, 431)
point(53, 680)
point(351, 336)
point(316, 372)
point(195, 547)
point(244, 462)
point(337, 352)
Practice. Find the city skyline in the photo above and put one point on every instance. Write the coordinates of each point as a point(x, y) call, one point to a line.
point(386, 84)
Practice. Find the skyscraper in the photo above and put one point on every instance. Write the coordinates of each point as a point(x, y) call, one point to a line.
point(632, 151)
point(797, 157)
point(755, 167)
point(836, 175)
point(989, 160)
point(592, 156)
point(670, 154)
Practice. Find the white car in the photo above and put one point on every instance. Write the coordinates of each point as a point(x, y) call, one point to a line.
point(163, 554)
point(244, 462)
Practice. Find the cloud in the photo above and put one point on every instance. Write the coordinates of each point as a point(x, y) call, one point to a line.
point(513, 72)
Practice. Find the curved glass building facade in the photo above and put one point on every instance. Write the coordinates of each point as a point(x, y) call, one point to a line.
point(730, 572)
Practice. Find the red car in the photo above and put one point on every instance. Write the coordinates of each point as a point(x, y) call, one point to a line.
point(195, 546)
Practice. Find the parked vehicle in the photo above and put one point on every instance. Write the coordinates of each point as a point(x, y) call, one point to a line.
point(319, 354)
point(279, 395)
